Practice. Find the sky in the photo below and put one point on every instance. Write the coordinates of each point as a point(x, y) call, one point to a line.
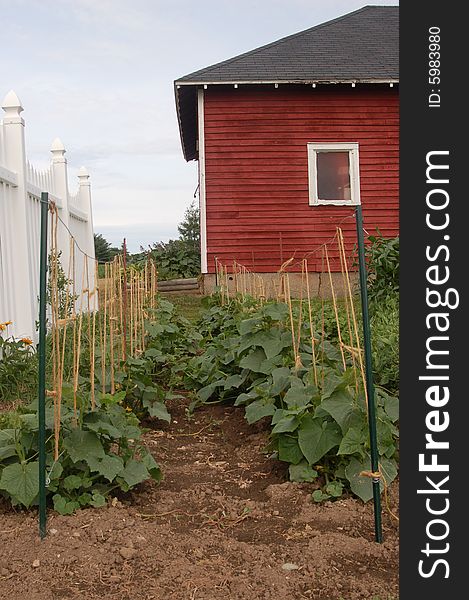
point(99, 75)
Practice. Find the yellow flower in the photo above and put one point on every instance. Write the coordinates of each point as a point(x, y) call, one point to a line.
point(27, 341)
point(8, 322)
point(2, 327)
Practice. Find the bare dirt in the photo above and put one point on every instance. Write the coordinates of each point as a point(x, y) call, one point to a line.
point(224, 523)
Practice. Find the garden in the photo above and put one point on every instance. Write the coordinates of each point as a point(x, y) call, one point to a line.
point(199, 447)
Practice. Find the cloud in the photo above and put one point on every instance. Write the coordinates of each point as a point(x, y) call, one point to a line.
point(99, 75)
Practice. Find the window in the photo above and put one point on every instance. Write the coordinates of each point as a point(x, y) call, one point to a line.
point(333, 174)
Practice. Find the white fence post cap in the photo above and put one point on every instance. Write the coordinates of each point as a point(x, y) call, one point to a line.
point(57, 149)
point(83, 175)
point(12, 104)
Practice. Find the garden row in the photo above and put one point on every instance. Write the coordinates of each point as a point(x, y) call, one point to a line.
point(242, 352)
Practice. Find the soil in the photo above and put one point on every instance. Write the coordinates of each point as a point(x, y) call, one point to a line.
point(224, 523)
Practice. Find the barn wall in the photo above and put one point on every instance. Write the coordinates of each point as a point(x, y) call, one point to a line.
point(256, 169)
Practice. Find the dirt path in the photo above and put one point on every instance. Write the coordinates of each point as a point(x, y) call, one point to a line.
point(223, 524)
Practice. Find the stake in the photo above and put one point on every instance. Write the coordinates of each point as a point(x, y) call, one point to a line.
point(369, 376)
point(111, 323)
point(42, 366)
point(124, 298)
point(336, 312)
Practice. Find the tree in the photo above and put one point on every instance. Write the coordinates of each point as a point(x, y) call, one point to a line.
point(189, 228)
point(181, 257)
point(103, 250)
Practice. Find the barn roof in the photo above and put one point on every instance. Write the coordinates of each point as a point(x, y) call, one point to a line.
point(359, 47)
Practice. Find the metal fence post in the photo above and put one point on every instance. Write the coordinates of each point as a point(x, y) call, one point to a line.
point(42, 365)
point(369, 376)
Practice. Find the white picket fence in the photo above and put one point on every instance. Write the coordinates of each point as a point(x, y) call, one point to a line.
point(20, 191)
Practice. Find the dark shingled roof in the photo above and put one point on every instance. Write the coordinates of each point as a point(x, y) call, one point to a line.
point(362, 46)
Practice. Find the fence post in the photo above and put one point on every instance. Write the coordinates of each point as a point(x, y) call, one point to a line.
point(60, 185)
point(84, 195)
point(42, 365)
point(369, 377)
point(18, 243)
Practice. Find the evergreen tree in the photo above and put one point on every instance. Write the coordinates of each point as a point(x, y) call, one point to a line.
point(189, 228)
point(103, 250)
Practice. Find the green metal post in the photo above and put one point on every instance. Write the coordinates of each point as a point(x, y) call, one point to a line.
point(42, 365)
point(369, 376)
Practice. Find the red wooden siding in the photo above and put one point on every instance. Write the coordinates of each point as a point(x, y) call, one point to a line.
point(256, 168)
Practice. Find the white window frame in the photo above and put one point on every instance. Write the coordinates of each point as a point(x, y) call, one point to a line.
point(352, 149)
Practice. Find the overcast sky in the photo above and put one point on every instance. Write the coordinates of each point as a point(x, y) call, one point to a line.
point(99, 74)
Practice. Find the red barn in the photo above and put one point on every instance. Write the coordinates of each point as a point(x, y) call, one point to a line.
point(308, 120)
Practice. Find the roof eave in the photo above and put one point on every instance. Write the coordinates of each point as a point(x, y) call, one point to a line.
point(385, 80)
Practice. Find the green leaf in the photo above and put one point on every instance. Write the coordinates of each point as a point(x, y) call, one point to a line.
point(340, 406)
point(249, 325)
point(361, 485)
point(386, 433)
point(269, 364)
point(245, 398)
point(7, 436)
point(7, 452)
point(333, 381)
point(152, 353)
point(319, 496)
point(84, 499)
point(72, 482)
point(276, 311)
point(99, 423)
point(97, 500)
point(259, 409)
point(64, 506)
point(391, 406)
point(298, 396)
point(287, 424)
point(354, 441)
point(253, 361)
point(152, 466)
point(21, 482)
point(109, 466)
point(151, 393)
point(234, 381)
point(56, 472)
point(288, 449)
point(280, 413)
point(206, 392)
point(302, 472)
point(271, 341)
point(280, 380)
point(134, 472)
point(334, 489)
point(158, 410)
point(83, 445)
point(331, 352)
point(316, 437)
point(111, 398)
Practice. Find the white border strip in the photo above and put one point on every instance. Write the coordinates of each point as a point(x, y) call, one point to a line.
point(8, 177)
point(202, 196)
point(354, 171)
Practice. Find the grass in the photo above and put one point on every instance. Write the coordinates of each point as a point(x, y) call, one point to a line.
point(187, 305)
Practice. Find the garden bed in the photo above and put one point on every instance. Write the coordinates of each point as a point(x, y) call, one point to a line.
point(223, 523)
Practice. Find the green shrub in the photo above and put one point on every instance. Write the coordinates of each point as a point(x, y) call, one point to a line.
point(99, 452)
point(384, 323)
point(383, 267)
point(319, 424)
point(18, 369)
point(176, 259)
